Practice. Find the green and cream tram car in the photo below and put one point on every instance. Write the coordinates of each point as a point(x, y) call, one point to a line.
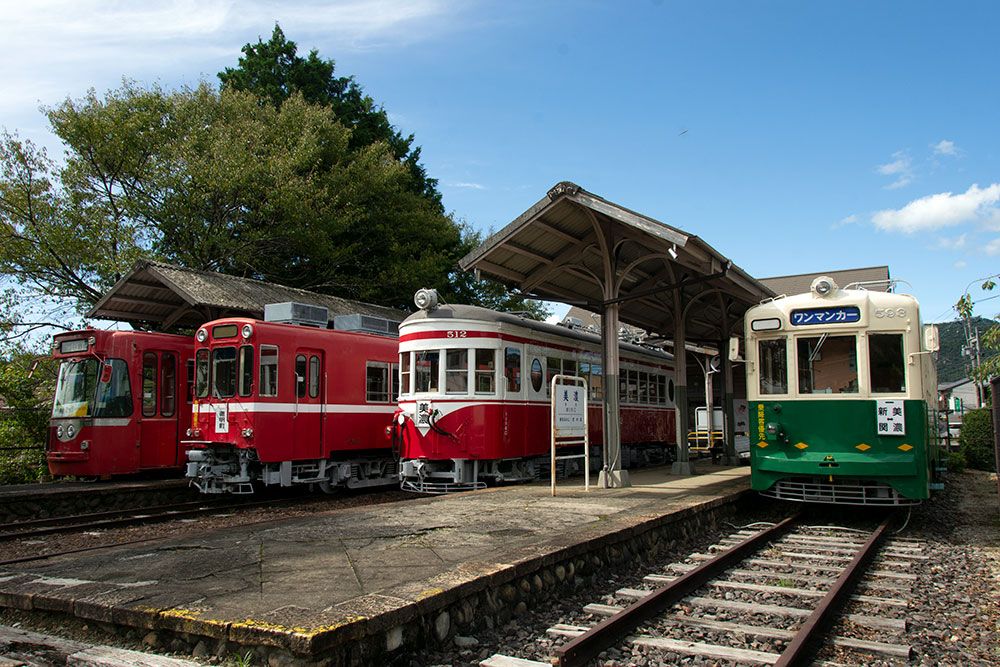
point(841, 386)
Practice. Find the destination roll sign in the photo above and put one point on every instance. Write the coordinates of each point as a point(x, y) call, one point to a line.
point(831, 315)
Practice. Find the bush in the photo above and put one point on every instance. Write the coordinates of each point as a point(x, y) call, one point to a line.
point(976, 439)
point(26, 386)
point(955, 461)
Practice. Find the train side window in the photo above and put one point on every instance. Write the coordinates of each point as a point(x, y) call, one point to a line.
point(114, 398)
point(149, 385)
point(643, 387)
point(633, 386)
point(189, 367)
point(622, 385)
point(377, 382)
point(201, 374)
point(569, 367)
point(426, 365)
point(486, 371)
point(553, 367)
point(661, 388)
point(828, 364)
point(394, 374)
point(886, 363)
point(596, 382)
point(654, 389)
point(512, 369)
point(670, 390)
point(313, 376)
point(300, 375)
point(536, 375)
point(168, 385)
point(773, 363)
point(246, 370)
point(224, 372)
point(456, 371)
point(406, 387)
point(268, 371)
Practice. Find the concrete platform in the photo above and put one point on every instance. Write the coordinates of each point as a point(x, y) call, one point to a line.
point(346, 586)
point(32, 501)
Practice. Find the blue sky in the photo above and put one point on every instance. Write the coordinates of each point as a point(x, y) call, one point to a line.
point(792, 136)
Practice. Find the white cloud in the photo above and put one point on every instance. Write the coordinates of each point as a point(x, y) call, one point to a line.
point(945, 147)
point(847, 220)
point(941, 210)
point(951, 243)
point(992, 248)
point(960, 264)
point(468, 186)
point(901, 168)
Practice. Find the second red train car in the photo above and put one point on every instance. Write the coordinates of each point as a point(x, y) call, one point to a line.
point(286, 404)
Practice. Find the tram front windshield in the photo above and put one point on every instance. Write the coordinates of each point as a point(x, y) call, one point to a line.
point(90, 388)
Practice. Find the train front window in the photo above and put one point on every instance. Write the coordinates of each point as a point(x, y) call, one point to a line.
point(201, 374)
point(828, 364)
point(426, 365)
point(456, 371)
point(75, 388)
point(114, 397)
point(224, 372)
point(246, 370)
point(485, 372)
point(886, 363)
point(773, 365)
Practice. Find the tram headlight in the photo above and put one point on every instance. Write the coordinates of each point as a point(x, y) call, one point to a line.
point(426, 299)
point(247, 432)
point(70, 431)
point(823, 286)
point(202, 335)
point(247, 331)
point(59, 431)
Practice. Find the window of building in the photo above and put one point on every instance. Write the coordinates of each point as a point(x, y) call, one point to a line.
point(886, 363)
point(314, 371)
point(268, 370)
point(426, 365)
point(224, 372)
point(485, 372)
point(512, 369)
point(773, 365)
point(201, 373)
point(300, 375)
point(149, 385)
point(246, 370)
point(377, 382)
point(828, 364)
point(536, 375)
point(168, 385)
point(456, 371)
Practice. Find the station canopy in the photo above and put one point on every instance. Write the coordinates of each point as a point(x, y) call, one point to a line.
point(575, 247)
point(168, 297)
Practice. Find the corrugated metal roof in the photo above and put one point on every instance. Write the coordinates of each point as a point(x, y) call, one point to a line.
point(170, 297)
point(876, 276)
point(559, 250)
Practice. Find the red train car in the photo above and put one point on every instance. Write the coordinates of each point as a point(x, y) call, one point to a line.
point(122, 402)
point(475, 405)
point(287, 404)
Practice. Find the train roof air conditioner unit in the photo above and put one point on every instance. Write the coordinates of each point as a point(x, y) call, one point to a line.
point(366, 324)
point(290, 312)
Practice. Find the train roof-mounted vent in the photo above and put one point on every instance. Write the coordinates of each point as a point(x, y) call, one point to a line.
point(290, 312)
point(366, 324)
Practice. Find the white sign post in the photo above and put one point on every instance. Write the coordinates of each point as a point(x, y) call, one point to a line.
point(570, 422)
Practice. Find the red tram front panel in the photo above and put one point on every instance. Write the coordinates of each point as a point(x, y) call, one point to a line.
point(285, 404)
point(475, 402)
point(122, 400)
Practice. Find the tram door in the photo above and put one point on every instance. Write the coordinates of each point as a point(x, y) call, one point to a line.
point(307, 423)
point(158, 441)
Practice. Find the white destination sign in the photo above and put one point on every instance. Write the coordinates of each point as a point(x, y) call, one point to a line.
point(570, 402)
point(890, 417)
point(222, 419)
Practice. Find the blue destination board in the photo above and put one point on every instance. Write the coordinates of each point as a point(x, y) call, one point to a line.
point(834, 315)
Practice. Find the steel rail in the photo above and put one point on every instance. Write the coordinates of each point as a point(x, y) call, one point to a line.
point(95, 516)
point(800, 650)
point(610, 631)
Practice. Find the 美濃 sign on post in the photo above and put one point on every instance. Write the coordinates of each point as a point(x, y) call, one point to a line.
point(570, 404)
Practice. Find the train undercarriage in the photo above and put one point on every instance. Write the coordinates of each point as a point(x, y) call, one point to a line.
point(215, 470)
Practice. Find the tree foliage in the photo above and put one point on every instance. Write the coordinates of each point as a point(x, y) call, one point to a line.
point(990, 339)
point(976, 439)
point(26, 386)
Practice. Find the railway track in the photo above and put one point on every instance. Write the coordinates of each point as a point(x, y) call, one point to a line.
point(787, 587)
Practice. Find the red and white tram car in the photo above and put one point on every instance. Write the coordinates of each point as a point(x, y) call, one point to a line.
point(287, 404)
point(475, 406)
point(122, 402)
